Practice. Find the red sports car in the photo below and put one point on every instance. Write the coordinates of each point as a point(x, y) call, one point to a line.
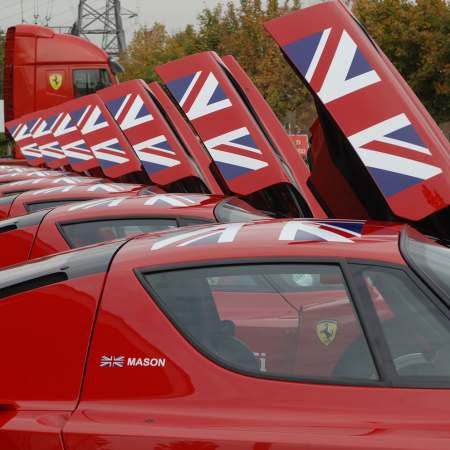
point(48, 231)
point(271, 334)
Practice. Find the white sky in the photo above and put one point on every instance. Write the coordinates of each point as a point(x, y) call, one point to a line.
point(175, 14)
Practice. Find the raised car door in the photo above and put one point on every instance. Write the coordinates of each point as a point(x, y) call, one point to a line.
point(47, 311)
point(247, 158)
point(382, 146)
point(226, 354)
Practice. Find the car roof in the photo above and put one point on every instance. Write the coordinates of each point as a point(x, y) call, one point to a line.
point(75, 191)
point(196, 205)
point(40, 183)
point(264, 239)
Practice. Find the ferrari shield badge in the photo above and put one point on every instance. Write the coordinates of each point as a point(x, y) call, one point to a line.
point(55, 81)
point(326, 330)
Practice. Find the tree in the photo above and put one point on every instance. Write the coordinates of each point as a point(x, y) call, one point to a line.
point(227, 30)
point(2, 57)
point(415, 37)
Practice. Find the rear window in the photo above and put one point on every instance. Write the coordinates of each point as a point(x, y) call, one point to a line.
point(94, 232)
point(430, 259)
point(237, 210)
point(50, 204)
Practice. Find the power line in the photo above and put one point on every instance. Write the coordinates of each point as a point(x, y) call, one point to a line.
point(17, 14)
point(12, 4)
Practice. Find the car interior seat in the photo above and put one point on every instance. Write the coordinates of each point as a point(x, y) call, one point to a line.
point(193, 304)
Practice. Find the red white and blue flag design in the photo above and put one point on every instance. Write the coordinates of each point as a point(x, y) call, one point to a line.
point(379, 115)
point(316, 231)
point(190, 141)
point(21, 132)
point(112, 361)
point(103, 136)
point(48, 144)
point(72, 144)
point(233, 138)
point(158, 148)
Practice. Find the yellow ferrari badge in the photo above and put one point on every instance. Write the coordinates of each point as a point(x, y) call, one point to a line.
point(55, 81)
point(212, 281)
point(326, 330)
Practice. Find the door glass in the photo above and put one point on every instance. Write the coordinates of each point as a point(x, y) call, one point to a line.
point(284, 320)
point(416, 332)
point(88, 233)
point(89, 81)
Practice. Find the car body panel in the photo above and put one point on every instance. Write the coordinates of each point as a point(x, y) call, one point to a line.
point(315, 238)
point(346, 73)
point(190, 141)
point(71, 194)
point(224, 124)
point(18, 169)
point(43, 429)
point(103, 136)
point(157, 147)
point(10, 177)
point(58, 333)
point(192, 401)
point(46, 141)
point(20, 131)
point(40, 183)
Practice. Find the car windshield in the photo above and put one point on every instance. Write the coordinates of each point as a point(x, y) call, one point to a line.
point(432, 259)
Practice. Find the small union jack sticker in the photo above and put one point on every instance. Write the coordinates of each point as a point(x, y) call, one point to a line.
point(112, 361)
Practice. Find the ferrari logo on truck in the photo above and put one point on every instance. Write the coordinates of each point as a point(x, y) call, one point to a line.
point(326, 330)
point(55, 81)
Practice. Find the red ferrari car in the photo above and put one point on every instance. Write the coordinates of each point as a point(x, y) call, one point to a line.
point(18, 187)
point(48, 231)
point(271, 334)
point(34, 200)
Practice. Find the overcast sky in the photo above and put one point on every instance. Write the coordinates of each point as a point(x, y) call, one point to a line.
point(175, 14)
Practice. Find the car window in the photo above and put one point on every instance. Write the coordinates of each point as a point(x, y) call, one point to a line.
point(416, 332)
point(291, 321)
point(236, 210)
point(50, 204)
point(430, 258)
point(89, 81)
point(88, 233)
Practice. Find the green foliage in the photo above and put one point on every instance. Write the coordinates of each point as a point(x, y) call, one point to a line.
point(2, 57)
point(415, 37)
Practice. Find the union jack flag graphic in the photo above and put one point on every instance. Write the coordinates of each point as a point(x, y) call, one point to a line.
point(326, 230)
point(72, 144)
point(112, 361)
point(199, 94)
point(148, 132)
point(231, 152)
point(22, 135)
point(348, 72)
point(103, 136)
point(128, 111)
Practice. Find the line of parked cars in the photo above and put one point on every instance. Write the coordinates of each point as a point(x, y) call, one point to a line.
point(194, 284)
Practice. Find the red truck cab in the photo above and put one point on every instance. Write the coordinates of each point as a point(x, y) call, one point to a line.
point(44, 69)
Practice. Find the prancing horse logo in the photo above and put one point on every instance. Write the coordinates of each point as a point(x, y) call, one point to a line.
point(326, 330)
point(55, 81)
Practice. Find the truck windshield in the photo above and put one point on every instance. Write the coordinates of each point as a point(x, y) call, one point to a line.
point(431, 259)
point(89, 81)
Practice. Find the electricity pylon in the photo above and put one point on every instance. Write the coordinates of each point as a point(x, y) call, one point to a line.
point(113, 41)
